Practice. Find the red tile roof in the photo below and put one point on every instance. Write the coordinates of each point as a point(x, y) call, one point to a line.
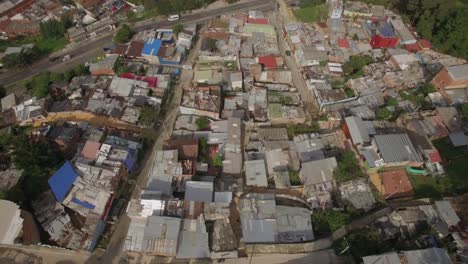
point(424, 44)
point(435, 156)
point(343, 43)
point(412, 47)
point(90, 149)
point(268, 61)
point(396, 184)
point(263, 21)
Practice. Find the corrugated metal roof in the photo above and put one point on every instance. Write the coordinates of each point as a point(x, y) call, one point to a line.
point(199, 191)
point(447, 213)
point(259, 230)
point(396, 148)
point(61, 182)
point(357, 129)
point(458, 72)
point(388, 258)
point(429, 255)
point(255, 173)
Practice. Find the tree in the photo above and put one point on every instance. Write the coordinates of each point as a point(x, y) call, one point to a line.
point(38, 160)
point(383, 113)
point(52, 29)
point(217, 161)
point(294, 178)
point(348, 167)
point(392, 101)
point(203, 149)
point(325, 222)
point(202, 123)
point(363, 242)
point(356, 63)
point(211, 45)
point(3, 91)
point(124, 34)
point(25, 57)
point(148, 116)
point(464, 110)
point(177, 29)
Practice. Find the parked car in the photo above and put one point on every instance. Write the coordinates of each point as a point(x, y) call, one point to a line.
point(173, 18)
point(66, 58)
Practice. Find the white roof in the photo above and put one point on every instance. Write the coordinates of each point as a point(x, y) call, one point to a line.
point(11, 222)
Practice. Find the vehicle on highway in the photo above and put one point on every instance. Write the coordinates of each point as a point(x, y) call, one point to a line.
point(66, 57)
point(173, 18)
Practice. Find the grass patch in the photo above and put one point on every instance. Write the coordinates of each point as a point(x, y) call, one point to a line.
point(294, 130)
point(447, 151)
point(311, 14)
point(426, 186)
point(50, 45)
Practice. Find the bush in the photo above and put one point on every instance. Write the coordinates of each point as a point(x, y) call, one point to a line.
point(383, 113)
point(326, 222)
point(217, 161)
point(355, 64)
point(177, 29)
point(124, 34)
point(294, 178)
point(348, 167)
point(202, 123)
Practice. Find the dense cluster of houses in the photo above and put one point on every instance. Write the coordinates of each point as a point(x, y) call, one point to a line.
point(238, 168)
point(90, 18)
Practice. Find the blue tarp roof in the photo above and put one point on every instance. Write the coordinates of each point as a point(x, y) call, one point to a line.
point(386, 30)
point(83, 203)
point(152, 47)
point(131, 159)
point(61, 182)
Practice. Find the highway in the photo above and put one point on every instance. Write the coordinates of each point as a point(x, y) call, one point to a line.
point(94, 47)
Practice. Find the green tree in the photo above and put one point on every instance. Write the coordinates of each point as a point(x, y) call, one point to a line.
point(211, 45)
point(356, 63)
point(363, 242)
point(38, 159)
point(124, 34)
point(148, 116)
point(202, 149)
point(52, 29)
point(464, 111)
point(383, 113)
point(325, 222)
point(3, 91)
point(217, 161)
point(392, 101)
point(294, 178)
point(177, 29)
point(202, 123)
point(348, 167)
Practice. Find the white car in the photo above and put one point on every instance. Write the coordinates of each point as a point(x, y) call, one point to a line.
point(187, 67)
point(66, 58)
point(173, 18)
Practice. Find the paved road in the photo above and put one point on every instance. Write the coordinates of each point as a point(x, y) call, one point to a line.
point(308, 98)
point(93, 48)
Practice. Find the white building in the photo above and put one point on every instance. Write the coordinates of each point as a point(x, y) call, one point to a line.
point(11, 223)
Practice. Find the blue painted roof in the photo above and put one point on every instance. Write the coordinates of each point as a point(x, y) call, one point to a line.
point(386, 30)
point(131, 159)
point(152, 47)
point(83, 203)
point(61, 182)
